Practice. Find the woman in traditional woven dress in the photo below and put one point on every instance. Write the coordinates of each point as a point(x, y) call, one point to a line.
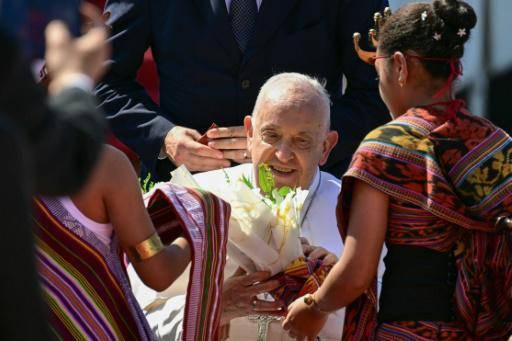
point(81, 241)
point(435, 185)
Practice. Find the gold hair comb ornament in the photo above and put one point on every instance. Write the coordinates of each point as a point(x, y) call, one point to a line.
point(373, 37)
point(504, 223)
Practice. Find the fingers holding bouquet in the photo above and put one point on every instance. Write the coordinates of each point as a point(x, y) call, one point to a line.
point(317, 253)
point(240, 296)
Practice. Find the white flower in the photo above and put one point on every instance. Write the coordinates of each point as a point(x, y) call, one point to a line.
point(437, 36)
point(462, 32)
point(263, 234)
point(424, 16)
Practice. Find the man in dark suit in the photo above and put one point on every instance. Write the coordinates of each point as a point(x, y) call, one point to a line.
point(47, 148)
point(212, 58)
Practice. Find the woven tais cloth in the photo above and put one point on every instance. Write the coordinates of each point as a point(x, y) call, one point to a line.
point(300, 277)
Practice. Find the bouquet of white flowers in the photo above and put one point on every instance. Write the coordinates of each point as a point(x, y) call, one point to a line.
point(264, 224)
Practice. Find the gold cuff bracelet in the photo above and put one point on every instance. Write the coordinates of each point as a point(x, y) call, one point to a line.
point(146, 249)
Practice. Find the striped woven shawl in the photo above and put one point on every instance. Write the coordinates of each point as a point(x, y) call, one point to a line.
point(85, 284)
point(459, 169)
point(206, 218)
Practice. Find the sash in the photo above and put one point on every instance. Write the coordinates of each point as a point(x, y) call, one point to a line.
point(301, 277)
point(85, 284)
point(83, 281)
point(458, 168)
point(206, 219)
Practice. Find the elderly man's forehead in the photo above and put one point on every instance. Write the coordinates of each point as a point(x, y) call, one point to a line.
point(289, 88)
point(272, 111)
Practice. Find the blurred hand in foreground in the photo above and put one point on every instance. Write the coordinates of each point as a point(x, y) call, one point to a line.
point(67, 56)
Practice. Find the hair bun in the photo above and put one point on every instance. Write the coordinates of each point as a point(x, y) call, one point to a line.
point(456, 15)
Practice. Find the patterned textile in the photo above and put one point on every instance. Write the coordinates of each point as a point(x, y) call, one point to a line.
point(85, 284)
point(83, 280)
point(206, 218)
point(300, 277)
point(421, 331)
point(448, 176)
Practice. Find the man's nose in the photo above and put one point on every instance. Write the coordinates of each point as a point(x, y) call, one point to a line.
point(283, 152)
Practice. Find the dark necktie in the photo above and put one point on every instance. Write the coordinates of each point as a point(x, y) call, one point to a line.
point(243, 20)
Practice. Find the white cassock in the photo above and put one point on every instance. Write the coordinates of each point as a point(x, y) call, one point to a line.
point(164, 310)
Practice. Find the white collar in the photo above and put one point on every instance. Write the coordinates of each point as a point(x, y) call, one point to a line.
point(316, 179)
point(312, 192)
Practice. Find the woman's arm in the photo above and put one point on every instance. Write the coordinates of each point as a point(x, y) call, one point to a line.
point(356, 268)
point(126, 212)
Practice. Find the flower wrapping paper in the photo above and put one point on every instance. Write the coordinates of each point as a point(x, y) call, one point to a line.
point(264, 235)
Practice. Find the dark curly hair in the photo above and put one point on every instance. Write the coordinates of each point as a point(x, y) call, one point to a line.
point(435, 30)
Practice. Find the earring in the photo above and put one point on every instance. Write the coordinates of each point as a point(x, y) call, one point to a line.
point(401, 82)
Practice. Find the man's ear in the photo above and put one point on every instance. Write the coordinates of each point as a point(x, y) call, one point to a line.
point(248, 131)
point(330, 141)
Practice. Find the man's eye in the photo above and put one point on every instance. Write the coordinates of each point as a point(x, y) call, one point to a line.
point(302, 143)
point(270, 137)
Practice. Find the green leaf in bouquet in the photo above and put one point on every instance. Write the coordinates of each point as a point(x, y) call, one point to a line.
point(266, 179)
point(226, 176)
point(246, 181)
point(277, 198)
point(283, 191)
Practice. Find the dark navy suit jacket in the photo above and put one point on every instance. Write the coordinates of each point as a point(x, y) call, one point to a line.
point(204, 77)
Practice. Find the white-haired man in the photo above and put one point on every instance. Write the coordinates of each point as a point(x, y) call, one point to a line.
point(289, 131)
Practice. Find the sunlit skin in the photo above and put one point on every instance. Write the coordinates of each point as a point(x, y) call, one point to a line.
point(418, 87)
point(292, 141)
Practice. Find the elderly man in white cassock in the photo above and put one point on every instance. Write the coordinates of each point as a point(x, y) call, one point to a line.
point(289, 131)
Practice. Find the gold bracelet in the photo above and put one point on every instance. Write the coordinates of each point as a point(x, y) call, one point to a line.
point(146, 249)
point(309, 299)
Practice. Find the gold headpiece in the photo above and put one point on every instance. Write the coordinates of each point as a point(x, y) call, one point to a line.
point(373, 36)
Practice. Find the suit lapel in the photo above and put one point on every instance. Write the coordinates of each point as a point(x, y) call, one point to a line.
point(270, 16)
point(205, 7)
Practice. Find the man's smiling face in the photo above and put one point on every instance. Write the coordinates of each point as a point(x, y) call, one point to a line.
point(291, 135)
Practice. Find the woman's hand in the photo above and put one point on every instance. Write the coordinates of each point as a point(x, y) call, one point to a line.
point(304, 322)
